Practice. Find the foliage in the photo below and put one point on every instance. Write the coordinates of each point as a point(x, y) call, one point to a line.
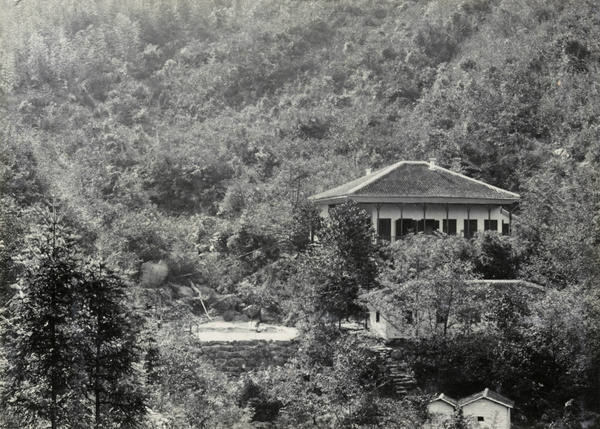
point(346, 391)
point(347, 258)
point(11, 232)
point(306, 224)
point(109, 351)
point(495, 256)
point(190, 392)
point(69, 342)
point(39, 335)
point(424, 289)
point(162, 125)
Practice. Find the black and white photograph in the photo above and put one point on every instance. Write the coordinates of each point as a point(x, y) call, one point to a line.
point(300, 214)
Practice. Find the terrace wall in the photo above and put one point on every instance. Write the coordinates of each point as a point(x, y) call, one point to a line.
point(239, 356)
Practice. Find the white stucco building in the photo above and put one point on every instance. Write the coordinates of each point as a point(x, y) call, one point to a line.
point(418, 196)
point(415, 320)
point(486, 409)
point(441, 409)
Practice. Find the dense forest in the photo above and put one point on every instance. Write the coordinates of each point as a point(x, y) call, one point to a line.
point(150, 148)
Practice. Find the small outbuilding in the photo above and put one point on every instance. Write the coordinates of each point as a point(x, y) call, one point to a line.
point(487, 409)
point(441, 409)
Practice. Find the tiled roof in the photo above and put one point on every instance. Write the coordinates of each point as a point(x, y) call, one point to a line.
point(418, 179)
point(446, 399)
point(488, 394)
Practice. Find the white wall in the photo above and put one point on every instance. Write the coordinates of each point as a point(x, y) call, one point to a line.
point(383, 328)
point(435, 211)
point(439, 411)
point(496, 416)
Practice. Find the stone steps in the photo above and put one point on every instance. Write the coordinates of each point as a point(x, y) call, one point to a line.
point(400, 374)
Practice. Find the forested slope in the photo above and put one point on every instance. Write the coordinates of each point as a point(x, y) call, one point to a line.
point(191, 132)
point(137, 113)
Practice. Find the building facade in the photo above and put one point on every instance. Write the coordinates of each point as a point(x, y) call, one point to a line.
point(486, 409)
point(418, 196)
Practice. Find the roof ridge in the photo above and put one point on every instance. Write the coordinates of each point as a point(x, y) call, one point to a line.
point(476, 181)
point(416, 179)
point(377, 175)
point(487, 394)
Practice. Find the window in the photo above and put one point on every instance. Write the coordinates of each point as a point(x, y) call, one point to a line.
point(449, 226)
point(430, 226)
point(490, 225)
point(384, 229)
point(480, 419)
point(470, 228)
point(505, 228)
point(441, 314)
point(405, 227)
point(408, 317)
point(377, 316)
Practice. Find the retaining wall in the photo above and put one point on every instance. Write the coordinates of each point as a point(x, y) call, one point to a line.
point(240, 356)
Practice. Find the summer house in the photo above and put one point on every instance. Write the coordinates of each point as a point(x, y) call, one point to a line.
point(419, 196)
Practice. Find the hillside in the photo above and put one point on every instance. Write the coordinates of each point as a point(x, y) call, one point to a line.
point(186, 135)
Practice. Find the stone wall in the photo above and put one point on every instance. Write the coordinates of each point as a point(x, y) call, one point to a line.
point(240, 356)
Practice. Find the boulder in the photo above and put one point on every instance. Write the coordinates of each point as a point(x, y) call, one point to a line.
point(154, 274)
point(241, 318)
point(268, 316)
point(226, 302)
point(229, 315)
point(183, 291)
point(251, 311)
point(206, 293)
point(396, 354)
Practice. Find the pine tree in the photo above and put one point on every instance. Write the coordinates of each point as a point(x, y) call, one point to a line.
point(109, 350)
point(69, 341)
point(37, 335)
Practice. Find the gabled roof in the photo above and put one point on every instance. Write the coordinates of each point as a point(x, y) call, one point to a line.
point(447, 399)
point(487, 394)
point(413, 182)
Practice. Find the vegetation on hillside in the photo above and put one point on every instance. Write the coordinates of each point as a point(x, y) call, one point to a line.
point(179, 141)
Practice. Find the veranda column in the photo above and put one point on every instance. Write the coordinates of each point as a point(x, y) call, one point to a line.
point(377, 207)
point(447, 220)
point(394, 228)
point(468, 221)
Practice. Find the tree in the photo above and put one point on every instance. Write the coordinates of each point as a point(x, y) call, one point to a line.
point(349, 253)
point(109, 350)
point(38, 335)
point(11, 234)
point(69, 340)
point(423, 285)
point(495, 257)
point(306, 223)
